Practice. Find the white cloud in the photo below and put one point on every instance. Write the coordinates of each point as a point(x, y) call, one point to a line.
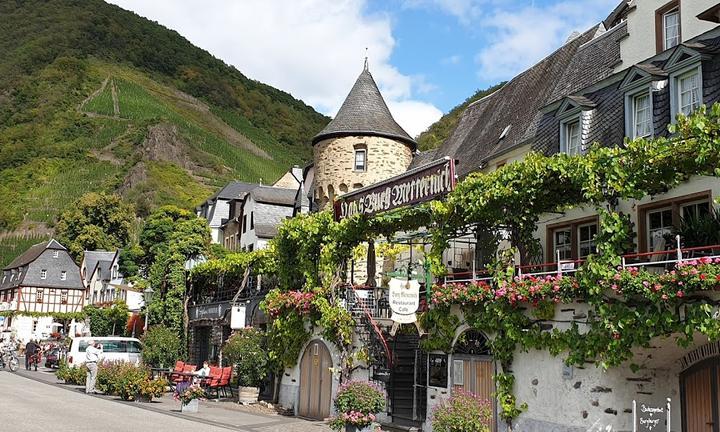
point(464, 10)
point(414, 116)
point(313, 49)
point(517, 39)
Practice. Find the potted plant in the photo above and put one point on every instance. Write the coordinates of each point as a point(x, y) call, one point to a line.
point(151, 388)
point(463, 412)
point(246, 349)
point(189, 396)
point(357, 403)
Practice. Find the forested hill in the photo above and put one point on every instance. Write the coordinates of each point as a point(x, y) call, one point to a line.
point(439, 131)
point(96, 98)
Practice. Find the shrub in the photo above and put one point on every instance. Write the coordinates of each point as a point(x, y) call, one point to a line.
point(152, 388)
point(246, 349)
point(71, 375)
point(463, 412)
point(127, 380)
point(161, 346)
point(356, 403)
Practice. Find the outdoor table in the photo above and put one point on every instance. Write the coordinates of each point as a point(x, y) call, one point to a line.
point(160, 372)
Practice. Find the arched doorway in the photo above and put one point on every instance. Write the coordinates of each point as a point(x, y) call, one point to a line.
point(407, 389)
point(699, 396)
point(473, 366)
point(315, 381)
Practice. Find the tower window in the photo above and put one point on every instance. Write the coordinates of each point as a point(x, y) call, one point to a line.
point(360, 160)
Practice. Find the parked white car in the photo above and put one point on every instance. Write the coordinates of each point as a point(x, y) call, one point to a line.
point(115, 348)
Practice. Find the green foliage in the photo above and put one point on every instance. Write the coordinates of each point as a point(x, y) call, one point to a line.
point(441, 326)
point(161, 346)
point(12, 246)
point(463, 412)
point(71, 375)
point(54, 148)
point(95, 222)
point(128, 380)
point(108, 321)
point(441, 130)
point(700, 230)
point(247, 350)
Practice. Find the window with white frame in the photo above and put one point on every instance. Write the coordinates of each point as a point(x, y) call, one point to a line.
point(572, 138)
point(671, 28)
point(38, 296)
point(63, 275)
point(562, 243)
point(56, 254)
point(688, 91)
point(659, 223)
point(63, 296)
point(586, 239)
point(641, 121)
point(43, 274)
point(360, 159)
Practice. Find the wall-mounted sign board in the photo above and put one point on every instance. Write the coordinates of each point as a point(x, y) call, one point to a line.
point(418, 185)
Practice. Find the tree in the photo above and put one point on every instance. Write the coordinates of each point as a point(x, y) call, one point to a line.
point(108, 321)
point(169, 238)
point(161, 346)
point(95, 221)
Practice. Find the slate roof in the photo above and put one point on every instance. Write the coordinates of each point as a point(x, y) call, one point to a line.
point(265, 230)
point(273, 195)
point(582, 61)
point(364, 112)
point(234, 189)
point(32, 253)
point(92, 258)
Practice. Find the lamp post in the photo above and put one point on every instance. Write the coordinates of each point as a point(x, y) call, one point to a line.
point(147, 296)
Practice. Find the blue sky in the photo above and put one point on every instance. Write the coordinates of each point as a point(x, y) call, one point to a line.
point(426, 55)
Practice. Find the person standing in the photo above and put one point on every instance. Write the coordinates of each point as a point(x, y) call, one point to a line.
point(92, 356)
point(30, 349)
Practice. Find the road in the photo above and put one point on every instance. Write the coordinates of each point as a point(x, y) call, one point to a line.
point(34, 401)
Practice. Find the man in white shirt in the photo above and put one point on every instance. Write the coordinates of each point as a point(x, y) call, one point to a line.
point(92, 356)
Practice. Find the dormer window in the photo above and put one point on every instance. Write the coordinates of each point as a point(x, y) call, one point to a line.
point(360, 160)
point(688, 87)
point(43, 274)
point(640, 114)
point(572, 138)
point(63, 275)
point(56, 254)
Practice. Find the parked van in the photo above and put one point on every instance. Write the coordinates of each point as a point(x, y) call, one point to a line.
point(115, 348)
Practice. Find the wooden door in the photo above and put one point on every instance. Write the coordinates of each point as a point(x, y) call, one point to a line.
point(476, 376)
point(315, 382)
point(699, 390)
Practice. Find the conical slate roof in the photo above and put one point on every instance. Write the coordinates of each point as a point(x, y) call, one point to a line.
point(364, 112)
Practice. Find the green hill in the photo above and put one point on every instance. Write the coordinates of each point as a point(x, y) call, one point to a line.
point(96, 98)
point(439, 131)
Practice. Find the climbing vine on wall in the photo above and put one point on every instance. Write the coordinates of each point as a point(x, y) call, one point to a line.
point(630, 306)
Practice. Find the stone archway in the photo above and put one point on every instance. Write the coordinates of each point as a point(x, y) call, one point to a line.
point(315, 381)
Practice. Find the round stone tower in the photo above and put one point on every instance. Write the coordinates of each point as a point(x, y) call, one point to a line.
point(362, 145)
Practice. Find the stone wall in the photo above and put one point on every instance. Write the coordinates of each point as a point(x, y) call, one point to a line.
point(335, 159)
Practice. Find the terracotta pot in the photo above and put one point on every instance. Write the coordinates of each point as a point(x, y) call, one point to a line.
point(248, 395)
point(190, 407)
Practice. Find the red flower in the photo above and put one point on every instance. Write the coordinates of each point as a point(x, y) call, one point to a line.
point(616, 335)
point(702, 277)
point(680, 294)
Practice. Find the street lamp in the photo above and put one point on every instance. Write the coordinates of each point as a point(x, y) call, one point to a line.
point(147, 296)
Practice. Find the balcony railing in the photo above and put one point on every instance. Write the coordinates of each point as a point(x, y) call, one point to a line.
point(659, 260)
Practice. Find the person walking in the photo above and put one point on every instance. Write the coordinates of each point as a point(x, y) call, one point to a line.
point(92, 356)
point(30, 349)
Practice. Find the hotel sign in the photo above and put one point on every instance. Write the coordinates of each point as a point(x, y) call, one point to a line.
point(421, 184)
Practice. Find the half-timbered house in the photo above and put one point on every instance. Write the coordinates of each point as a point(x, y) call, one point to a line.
point(43, 281)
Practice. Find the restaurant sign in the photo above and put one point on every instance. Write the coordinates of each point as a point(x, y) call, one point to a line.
point(418, 185)
point(651, 418)
point(404, 298)
point(208, 311)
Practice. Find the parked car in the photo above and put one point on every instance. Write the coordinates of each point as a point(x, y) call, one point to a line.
point(115, 348)
point(52, 358)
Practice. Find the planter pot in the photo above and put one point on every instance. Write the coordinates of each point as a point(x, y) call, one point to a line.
point(143, 399)
point(353, 428)
point(190, 407)
point(248, 395)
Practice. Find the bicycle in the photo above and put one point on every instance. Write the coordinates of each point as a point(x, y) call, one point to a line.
point(9, 359)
